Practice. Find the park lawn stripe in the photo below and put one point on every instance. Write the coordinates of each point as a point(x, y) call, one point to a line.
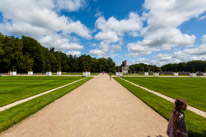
point(196, 125)
point(17, 113)
point(197, 111)
point(30, 98)
point(21, 87)
point(191, 89)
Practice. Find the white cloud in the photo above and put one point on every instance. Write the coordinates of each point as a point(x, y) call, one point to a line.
point(172, 13)
point(39, 19)
point(102, 50)
point(116, 48)
point(141, 60)
point(70, 5)
point(133, 23)
point(63, 43)
point(22, 29)
point(168, 38)
point(108, 36)
point(188, 54)
point(106, 50)
point(113, 30)
point(137, 49)
point(97, 52)
point(204, 38)
point(163, 18)
point(74, 53)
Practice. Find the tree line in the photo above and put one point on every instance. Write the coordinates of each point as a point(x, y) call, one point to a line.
point(135, 68)
point(26, 54)
point(190, 66)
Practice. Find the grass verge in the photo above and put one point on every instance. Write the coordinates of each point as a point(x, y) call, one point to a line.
point(196, 125)
point(191, 89)
point(21, 87)
point(15, 114)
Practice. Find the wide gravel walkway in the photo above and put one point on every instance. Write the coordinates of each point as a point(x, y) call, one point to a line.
point(99, 108)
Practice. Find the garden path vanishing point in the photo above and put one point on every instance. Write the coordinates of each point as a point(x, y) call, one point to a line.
point(99, 108)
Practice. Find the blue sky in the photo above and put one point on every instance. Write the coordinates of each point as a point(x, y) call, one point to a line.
point(139, 31)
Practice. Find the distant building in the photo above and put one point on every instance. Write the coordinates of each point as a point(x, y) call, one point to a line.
point(125, 67)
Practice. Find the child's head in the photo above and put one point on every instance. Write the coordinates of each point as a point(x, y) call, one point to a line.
point(180, 104)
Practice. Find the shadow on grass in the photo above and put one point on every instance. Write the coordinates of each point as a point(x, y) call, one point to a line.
point(196, 134)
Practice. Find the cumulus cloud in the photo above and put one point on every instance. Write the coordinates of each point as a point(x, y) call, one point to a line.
point(199, 51)
point(97, 52)
point(172, 13)
point(115, 48)
point(70, 5)
point(108, 36)
point(63, 43)
point(74, 53)
point(106, 50)
point(137, 49)
point(194, 53)
point(163, 18)
point(204, 38)
point(113, 30)
point(168, 38)
point(133, 23)
point(40, 20)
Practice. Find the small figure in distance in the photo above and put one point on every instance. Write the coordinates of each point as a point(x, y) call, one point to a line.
point(177, 126)
point(110, 75)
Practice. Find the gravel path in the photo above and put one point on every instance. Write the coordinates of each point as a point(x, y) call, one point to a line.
point(99, 108)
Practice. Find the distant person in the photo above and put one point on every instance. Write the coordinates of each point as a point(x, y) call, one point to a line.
point(110, 75)
point(177, 126)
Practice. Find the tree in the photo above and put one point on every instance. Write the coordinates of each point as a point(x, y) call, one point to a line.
point(146, 68)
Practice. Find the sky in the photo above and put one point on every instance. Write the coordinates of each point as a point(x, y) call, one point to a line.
point(153, 32)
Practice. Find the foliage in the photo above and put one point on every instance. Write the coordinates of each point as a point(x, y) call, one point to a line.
point(26, 54)
point(143, 67)
point(190, 66)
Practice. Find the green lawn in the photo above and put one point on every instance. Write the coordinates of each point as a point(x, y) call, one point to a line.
point(191, 89)
point(196, 125)
point(20, 87)
point(17, 113)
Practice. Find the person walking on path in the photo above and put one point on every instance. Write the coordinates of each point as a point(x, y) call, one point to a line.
point(110, 75)
point(177, 126)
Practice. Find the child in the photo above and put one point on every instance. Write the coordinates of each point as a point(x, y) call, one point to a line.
point(177, 126)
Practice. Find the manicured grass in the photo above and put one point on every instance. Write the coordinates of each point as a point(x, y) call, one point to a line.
point(20, 87)
point(191, 89)
point(15, 114)
point(196, 125)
